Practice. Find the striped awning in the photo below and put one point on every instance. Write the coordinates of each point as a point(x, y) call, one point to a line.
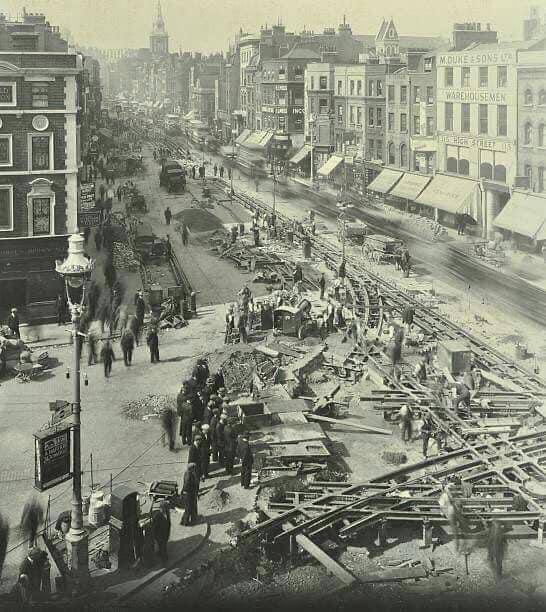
point(451, 194)
point(301, 155)
point(524, 214)
point(385, 180)
point(410, 186)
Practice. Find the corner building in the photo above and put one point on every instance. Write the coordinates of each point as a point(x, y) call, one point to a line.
point(39, 159)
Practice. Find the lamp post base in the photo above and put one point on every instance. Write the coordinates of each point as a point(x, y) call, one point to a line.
point(77, 549)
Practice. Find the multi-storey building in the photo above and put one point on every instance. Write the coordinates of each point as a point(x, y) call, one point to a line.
point(524, 216)
point(39, 157)
point(227, 96)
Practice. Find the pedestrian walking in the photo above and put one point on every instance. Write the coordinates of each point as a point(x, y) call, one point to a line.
point(245, 455)
point(215, 169)
point(102, 192)
point(405, 415)
point(152, 340)
point(107, 357)
point(229, 173)
point(221, 172)
point(185, 412)
point(190, 491)
point(168, 215)
point(140, 308)
point(212, 430)
point(98, 239)
point(185, 234)
point(92, 341)
point(242, 326)
point(127, 346)
point(14, 322)
point(322, 284)
point(193, 172)
point(161, 526)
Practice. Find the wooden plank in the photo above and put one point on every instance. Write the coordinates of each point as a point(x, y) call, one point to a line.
point(366, 428)
point(332, 566)
point(504, 383)
point(397, 575)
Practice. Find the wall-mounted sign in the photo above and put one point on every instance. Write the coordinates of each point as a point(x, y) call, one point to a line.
point(87, 196)
point(483, 59)
point(40, 123)
point(89, 218)
point(51, 458)
point(492, 144)
point(464, 95)
point(297, 111)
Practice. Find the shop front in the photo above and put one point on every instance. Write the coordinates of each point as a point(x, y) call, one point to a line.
point(451, 196)
point(408, 189)
point(385, 181)
point(28, 280)
point(524, 220)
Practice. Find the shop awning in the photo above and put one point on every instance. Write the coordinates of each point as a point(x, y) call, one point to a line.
point(330, 165)
point(259, 139)
point(242, 137)
point(449, 193)
point(385, 180)
point(301, 155)
point(228, 151)
point(410, 186)
point(524, 214)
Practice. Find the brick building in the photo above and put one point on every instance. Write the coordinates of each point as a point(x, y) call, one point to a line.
point(39, 157)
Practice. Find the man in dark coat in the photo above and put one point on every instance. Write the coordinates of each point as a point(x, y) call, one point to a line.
point(161, 524)
point(184, 234)
point(213, 424)
point(13, 322)
point(204, 449)
point(194, 454)
point(127, 346)
point(140, 307)
point(60, 307)
point(107, 357)
point(230, 447)
point(221, 440)
point(190, 491)
point(153, 344)
point(185, 412)
point(245, 455)
point(322, 284)
point(168, 215)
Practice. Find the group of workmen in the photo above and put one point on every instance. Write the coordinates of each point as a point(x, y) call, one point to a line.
point(210, 433)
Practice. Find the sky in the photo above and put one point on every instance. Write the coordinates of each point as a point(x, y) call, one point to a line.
point(209, 25)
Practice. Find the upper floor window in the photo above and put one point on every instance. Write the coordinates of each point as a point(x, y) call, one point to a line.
point(391, 121)
point(483, 115)
point(379, 120)
point(416, 94)
point(528, 97)
point(502, 120)
point(403, 122)
point(379, 88)
point(370, 117)
point(339, 87)
point(371, 88)
point(484, 76)
point(8, 94)
point(359, 88)
point(428, 64)
point(403, 94)
point(502, 76)
point(528, 134)
point(352, 88)
point(41, 157)
point(323, 82)
point(448, 116)
point(541, 135)
point(448, 77)
point(6, 208)
point(312, 82)
point(465, 76)
point(542, 97)
point(40, 95)
point(6, 150)
point(430, 126)
point(430, 94)
point(390, 93)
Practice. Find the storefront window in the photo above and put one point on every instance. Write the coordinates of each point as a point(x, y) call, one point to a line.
point(464, 167)
point(486, 171)
point(500, 173)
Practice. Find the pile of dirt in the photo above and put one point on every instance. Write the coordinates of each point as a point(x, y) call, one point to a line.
point(217, 500)
point(150, 406)
point(199, 220)
point(394, 457)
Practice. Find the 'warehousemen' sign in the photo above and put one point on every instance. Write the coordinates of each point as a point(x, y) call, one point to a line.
point(51, 458)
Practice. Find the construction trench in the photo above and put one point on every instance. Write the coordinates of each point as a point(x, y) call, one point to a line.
point(492, 456)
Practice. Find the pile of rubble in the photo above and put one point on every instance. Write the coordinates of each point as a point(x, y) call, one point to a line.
point(150, 406)
point(124, 257)
point(241, 366)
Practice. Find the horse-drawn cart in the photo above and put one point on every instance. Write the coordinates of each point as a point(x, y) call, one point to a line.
point(381, 248)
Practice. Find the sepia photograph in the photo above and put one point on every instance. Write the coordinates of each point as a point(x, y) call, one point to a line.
point(273, 305)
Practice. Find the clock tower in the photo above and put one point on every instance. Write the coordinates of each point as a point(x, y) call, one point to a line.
point(159, 39)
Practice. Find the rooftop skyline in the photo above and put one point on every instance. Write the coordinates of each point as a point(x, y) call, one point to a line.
point(208, 26)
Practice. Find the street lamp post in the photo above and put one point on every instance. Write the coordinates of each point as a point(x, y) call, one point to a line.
point(75, 269)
